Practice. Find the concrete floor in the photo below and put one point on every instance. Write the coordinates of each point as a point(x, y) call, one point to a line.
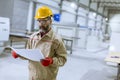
point(81, 65)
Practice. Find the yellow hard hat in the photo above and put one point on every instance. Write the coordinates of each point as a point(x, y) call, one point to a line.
point(43, 12)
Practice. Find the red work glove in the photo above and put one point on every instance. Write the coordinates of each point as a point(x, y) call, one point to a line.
point(47, 61)
point(14, 54)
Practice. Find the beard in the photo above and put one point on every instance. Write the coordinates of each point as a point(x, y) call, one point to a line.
point(44, 28)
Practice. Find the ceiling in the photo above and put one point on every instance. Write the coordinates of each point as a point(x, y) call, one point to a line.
point(111, 5)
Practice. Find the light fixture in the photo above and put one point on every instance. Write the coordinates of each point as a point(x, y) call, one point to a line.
point(112, 48)
point(73, 5)
point(106, 19)
point(94, 14)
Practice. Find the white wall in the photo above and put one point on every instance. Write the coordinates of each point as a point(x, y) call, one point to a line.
point(49, 2)
point(66, 16)
point(93, 6)
point(6, 8)
point(100, 10)
point(30, 17)
point(17, 11)
point(20, 13)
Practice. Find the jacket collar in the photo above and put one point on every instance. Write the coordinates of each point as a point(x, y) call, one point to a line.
point(50, 33)
point(47, 36)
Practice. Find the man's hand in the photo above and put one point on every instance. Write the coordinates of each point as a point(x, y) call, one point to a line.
point(47, 61)
point(14, 54)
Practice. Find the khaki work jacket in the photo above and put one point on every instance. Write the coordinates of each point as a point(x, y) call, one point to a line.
point(51, 45)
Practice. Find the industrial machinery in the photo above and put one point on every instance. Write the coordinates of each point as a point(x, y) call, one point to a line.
point(4, 32)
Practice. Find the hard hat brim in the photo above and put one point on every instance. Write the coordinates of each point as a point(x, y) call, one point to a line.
point(42, 17)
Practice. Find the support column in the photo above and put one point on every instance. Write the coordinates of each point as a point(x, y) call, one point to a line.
point(30, 16)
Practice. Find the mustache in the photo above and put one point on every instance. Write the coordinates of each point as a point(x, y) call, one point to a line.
point(44, 28)
point(40, 27)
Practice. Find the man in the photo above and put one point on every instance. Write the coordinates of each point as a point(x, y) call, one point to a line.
point(50, 44)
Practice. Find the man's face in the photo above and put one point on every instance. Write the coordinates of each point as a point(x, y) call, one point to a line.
point(44, 24)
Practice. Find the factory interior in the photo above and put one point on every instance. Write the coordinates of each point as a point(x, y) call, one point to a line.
point(89, 31)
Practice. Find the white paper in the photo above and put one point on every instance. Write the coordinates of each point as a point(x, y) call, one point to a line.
point(32, 54)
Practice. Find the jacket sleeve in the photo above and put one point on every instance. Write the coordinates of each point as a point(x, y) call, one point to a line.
point(28, 45)
point(60, 55)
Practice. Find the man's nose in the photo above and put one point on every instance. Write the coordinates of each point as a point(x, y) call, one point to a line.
point(40, 24)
